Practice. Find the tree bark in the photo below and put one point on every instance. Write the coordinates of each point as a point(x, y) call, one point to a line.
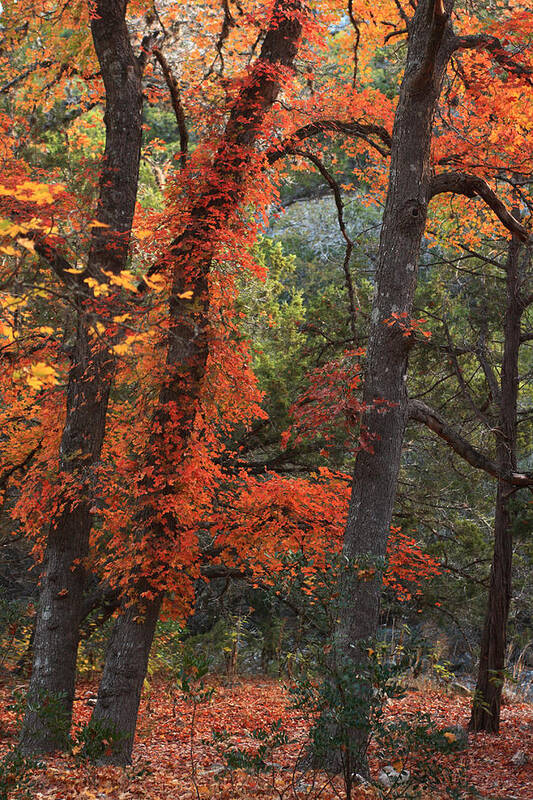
point(491, 672)
point(119, 693)
point(63, 578)
point(377, 464)
point(188, 348)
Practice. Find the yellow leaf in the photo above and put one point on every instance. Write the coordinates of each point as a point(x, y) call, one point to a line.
point(125, 347)
point(155, 282)
point(451, 737)
point(40, 374)
point(125, 279)
point(97, 287)
point(186, 295)
point(28, 244)
point(42, 370)
point(6, 331)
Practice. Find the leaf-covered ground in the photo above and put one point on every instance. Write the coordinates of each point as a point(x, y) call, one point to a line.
point(176, 760)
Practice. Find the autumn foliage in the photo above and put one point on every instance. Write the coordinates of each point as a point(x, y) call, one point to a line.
point(145, 149)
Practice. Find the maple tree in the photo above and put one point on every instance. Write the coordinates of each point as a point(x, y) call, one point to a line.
point(147, 337)
point(63, 581)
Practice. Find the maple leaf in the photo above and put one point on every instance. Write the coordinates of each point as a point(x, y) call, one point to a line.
point(41, 374)
point(99, 289)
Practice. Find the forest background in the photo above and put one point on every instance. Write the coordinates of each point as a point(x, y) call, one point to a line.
point(223, 282)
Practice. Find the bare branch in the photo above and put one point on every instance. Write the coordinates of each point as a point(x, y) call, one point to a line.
point(393, 34)
point(227, 24)
point(147, 44)
point(488, 370)
point(62, 70)
point(461, 380)
point(175, 96)
point(59, 263)
point(402, 13)
point(420, 412)
point(340, 216)
point(357, 31)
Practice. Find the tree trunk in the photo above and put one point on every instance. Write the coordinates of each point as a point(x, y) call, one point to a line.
point(119, 693)
point(59, 613)
point(487, 697)
point(188, 349)
point(377, 465)
point(51, 692)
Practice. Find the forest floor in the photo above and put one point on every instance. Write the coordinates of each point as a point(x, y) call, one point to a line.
point(176, 757)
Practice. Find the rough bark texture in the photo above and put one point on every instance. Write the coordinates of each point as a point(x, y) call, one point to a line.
point(191, 255)
point(404, 219)
point(487, 698)
point(120, 689)
point(62, 586)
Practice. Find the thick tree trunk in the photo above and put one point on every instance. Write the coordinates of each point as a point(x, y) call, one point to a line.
point(119, 693)
point(47, 721)
point(188, 349)
point(376, 467)
point(59, 613)
point(487, 697)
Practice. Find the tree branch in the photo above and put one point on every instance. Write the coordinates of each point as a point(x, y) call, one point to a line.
point(461, 380)
point(356, 129)
point(4, 478)
point(175, 96)
point(493, 46)
point(63, 68)
point(227, 24)
point(342, 226)
point(490, 376)
point(402, 13)
point(59, 263)
point(102, 594)
point(420, 412)
point(472, 186)
point(357, 32)
point(22, 75)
